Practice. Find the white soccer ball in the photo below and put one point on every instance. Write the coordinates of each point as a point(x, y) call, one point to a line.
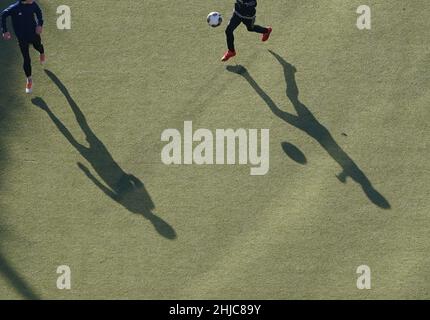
point(214, 19)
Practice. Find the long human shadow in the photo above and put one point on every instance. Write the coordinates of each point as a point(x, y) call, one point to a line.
point(306, 121)
point(120, 186)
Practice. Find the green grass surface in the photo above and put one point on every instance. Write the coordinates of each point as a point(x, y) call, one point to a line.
point(136, 68)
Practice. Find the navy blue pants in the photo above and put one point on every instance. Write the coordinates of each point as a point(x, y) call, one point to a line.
point(235, 21)
point(24, 45)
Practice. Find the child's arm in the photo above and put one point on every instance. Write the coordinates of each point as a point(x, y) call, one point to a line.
point(4, 15)
point(39, 16)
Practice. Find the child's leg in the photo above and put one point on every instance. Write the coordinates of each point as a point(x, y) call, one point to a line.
point(252, 27)
point(37, 44)
point(25, 50)
point(232, 25)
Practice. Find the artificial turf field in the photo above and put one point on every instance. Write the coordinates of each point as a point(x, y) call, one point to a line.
point(128, 70)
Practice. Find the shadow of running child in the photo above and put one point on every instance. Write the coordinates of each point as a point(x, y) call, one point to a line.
point(306, 121)
point(120, 186)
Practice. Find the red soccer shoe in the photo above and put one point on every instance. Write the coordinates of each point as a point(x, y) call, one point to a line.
point(229, 54)
point(266, 35)
point(29, 87)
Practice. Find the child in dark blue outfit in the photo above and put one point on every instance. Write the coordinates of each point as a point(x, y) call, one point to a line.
point(27, 21)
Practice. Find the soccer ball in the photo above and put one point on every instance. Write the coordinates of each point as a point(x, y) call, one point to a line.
point(214, 19)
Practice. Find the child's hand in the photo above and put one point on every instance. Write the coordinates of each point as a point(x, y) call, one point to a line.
point(7, 36)
point(39, 29)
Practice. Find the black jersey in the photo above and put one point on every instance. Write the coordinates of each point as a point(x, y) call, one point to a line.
point(246, 8)
point(23, 19)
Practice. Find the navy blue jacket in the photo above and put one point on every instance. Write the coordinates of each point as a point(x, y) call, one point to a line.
point(246, 8)
point(23, 19)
